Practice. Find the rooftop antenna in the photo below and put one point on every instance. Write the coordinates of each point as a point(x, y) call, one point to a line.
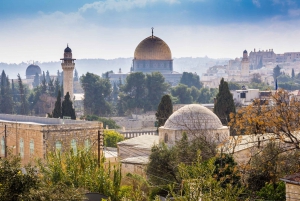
point(152, 31)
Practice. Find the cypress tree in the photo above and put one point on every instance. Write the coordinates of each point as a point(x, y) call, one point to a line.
point(44, 84)
point(224, 104)
point(36, 80)
point(67, 107)
point(24, 103)
point(293, 73)
point(57, 109)
point(164, 110)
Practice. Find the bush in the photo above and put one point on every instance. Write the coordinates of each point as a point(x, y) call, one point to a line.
point(106, 122)
point(111, 138)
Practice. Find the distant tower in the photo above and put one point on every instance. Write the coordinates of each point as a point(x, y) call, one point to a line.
point(245, 70)
point(68, 67)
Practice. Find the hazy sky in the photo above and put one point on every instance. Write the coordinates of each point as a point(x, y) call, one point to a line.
point(40, 29)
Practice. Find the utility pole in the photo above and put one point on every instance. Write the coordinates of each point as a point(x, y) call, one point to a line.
point(100, 146)
point(5, 142)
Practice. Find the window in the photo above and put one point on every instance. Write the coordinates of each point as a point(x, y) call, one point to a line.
point(2, 146)
point(166, 137)
point(31, 147)
point(87, 143)
point(22, 148)
point(74, 146)
point(58, 145)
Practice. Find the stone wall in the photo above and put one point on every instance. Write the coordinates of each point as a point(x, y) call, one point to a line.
point(292, 191)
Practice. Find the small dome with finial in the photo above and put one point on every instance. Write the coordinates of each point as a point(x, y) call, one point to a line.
point(245, 51)
point(68, 49)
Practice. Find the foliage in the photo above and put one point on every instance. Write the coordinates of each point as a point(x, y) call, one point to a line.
point(67, 107)
point(279, 119)
point(134, 90)
point(224, 103)
point(96, 92)
point(284, 78)
point(256, 78)
point(183, 93)
point(163, 161)
point(276, 72)
point(261, 86)
point(234, 86)
point(81, 170)
point(106, 122)
point(57, 109)
point(6, 99)
point(76, 75)
point(14, 185)
point(111, 138)
point(207, 95)
point(24, 102)
point(273, 191)
point(199, 183)
point(156, 88)
point(164, 110)
point(293, 73)
point(191, 79)
point(226, 170)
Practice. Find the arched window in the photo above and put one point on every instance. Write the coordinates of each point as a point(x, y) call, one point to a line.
point(87, 143)
point(74, 146)
point(2, 146)
point(58, 145)
point(166, 138)
point(31, 147)
point(22, 148)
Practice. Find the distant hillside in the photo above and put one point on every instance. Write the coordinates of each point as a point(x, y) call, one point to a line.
point(99, 66)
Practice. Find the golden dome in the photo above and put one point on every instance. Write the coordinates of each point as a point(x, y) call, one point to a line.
point(152, 48)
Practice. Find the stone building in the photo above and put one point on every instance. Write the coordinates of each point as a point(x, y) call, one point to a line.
point(31, 70)
point(292, 187)
point(68, 66)
point(32, 137)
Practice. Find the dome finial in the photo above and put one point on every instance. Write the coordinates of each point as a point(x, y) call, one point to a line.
point(67, 44)
point(152, 31)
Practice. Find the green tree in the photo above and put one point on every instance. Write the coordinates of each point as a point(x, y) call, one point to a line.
point(134, 90)
point(44, 84)
point(273, 191)
point(47, 77)
point(106, 122)
point(204, 95)
point(14, 185)
point(81, 170)
point(111, 138)
point(195, 93)
point(156, 88)
point(115, 93)
point(284, 78)
point(234, 86)
point(276, 72)
point(36, 80)
point(57, 112)
point(183, 93)
point(67, 107)
point(6, 101)
point(76, 75)
point(164, 110)
point(199, 183)
point(191, 79)
point(24, 102)
point(96, 92)
point(293, 73)
point(51, 88)
point(256, 78)
point(224, 103)
point(56, 87)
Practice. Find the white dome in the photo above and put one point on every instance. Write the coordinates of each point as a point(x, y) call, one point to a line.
point(193, 117)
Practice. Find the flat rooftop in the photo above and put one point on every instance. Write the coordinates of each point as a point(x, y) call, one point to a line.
point(38, 120)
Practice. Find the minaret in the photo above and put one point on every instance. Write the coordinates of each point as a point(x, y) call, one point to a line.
point(245, 70)
point(68, 67)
